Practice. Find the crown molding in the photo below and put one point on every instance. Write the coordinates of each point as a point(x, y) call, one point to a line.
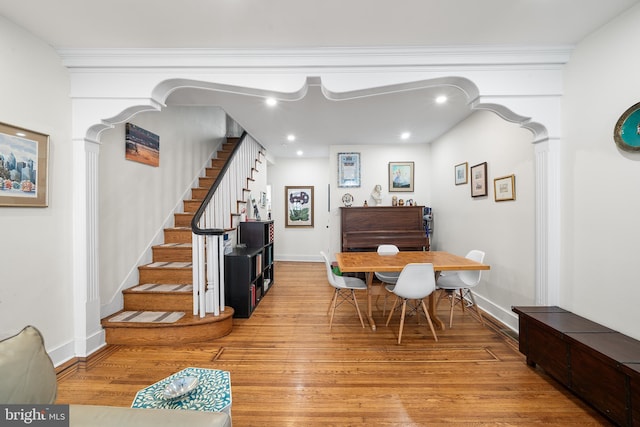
point(407, 56)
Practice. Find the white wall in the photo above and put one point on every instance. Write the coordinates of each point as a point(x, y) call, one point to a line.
point(305, 244)
point(504, 230)
point(137, 201)
point(601, 200)
point(35, 259)
point(299, 244)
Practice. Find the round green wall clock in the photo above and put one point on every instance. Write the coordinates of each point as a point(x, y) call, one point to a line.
point(627, 131)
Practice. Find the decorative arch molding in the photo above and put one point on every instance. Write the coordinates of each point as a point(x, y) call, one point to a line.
point(106, 93)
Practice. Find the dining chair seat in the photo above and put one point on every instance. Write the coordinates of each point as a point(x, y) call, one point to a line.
point(344, 290)
point(416, 282)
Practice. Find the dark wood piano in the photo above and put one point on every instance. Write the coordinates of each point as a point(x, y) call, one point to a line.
point(365, 228)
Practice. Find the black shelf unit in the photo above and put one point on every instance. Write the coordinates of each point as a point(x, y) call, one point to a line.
point(249, 267)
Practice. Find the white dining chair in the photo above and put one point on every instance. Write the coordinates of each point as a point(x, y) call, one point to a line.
point(416, 282)
point(457, 285)
point(345, 288)
point(387, 277)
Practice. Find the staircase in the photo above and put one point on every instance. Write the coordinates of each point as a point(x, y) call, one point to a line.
point(165, 287)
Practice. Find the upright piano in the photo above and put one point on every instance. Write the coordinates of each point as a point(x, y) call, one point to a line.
point(365, 228)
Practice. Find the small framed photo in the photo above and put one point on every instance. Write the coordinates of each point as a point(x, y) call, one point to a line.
point(401, 176)
point(24, 158)
point(479, 180)
point(461, 173)
point(504, 188)
point(298, 201)
point(348, 170)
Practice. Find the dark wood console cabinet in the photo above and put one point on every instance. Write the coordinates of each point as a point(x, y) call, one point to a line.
point(365, 228)
point(598, 364)
point(249, 270)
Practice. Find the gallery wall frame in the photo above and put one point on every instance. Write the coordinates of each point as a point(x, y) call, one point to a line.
point(299, 205)
point(479, 180)
point(348, 170)
point(504, 188)
point(460, 173)
point(24, 167)
point(401, 176)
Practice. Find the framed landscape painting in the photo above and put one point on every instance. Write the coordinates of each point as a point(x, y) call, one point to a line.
point(401, 176)
point(24, 156)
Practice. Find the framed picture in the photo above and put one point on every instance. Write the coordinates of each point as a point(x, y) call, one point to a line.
point(626, 133)
point(479, 180)
point(460, 172)
point(504, 188)
point(401, 176)
point(141, 145)
point(348, 170)
point(298, 203)
point(24, 157)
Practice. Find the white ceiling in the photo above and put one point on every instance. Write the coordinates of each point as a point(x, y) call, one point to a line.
point(257, 24)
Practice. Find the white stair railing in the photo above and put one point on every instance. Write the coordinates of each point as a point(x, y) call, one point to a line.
point(212, 221)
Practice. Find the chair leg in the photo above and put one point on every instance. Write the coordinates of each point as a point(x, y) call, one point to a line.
point(404, 311)
point(334, 301)
point(426, 313)
point(395, 302)
point(355, 302)
point(473, 300)
point(453, 303)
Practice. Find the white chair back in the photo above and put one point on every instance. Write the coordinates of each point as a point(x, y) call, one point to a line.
point(472, 277)
point(388, 250)
point(416, 281)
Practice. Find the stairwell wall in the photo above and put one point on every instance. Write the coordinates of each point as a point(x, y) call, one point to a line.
point(137, 201)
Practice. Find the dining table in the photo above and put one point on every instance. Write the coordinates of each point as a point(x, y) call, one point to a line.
point(370, 262)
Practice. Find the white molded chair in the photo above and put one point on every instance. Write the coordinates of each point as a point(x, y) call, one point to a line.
point(458, 284)
point(345, 288)
point(416, 282)
point(387, 277)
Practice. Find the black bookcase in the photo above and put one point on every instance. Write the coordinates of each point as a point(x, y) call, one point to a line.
point(249, 267)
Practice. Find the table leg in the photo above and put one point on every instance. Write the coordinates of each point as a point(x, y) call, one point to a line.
point(372, 323)
point(437, 322)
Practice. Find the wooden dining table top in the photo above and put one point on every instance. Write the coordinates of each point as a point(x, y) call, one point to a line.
point(362, 262)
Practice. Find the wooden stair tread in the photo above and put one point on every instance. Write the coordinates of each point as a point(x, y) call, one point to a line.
point(160, 288)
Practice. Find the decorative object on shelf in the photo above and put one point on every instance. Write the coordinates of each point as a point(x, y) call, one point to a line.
point(461, 173)
point(365, 204)
point(479, 180)
point(376, 194)
point(348, 170)
point(299, 206)
point(626, 133)
point(347, 200)
point(401, 176)
point(24, 156)
point(504, 188)
point(141, 145)
point(394, 201)
point(409, 202)
point(401, 202)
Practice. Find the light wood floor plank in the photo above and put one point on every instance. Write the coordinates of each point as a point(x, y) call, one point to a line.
point(288, 369)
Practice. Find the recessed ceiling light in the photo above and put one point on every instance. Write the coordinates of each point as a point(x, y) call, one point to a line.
point(441, 99)
point(271, 102)
point(405, 135)
point(299, 152)
point(291, 137)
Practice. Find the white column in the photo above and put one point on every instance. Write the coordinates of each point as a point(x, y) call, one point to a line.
point(547, 187)
point(88, 332)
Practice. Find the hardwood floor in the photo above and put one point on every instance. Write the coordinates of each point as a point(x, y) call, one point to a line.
point(288, 369)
